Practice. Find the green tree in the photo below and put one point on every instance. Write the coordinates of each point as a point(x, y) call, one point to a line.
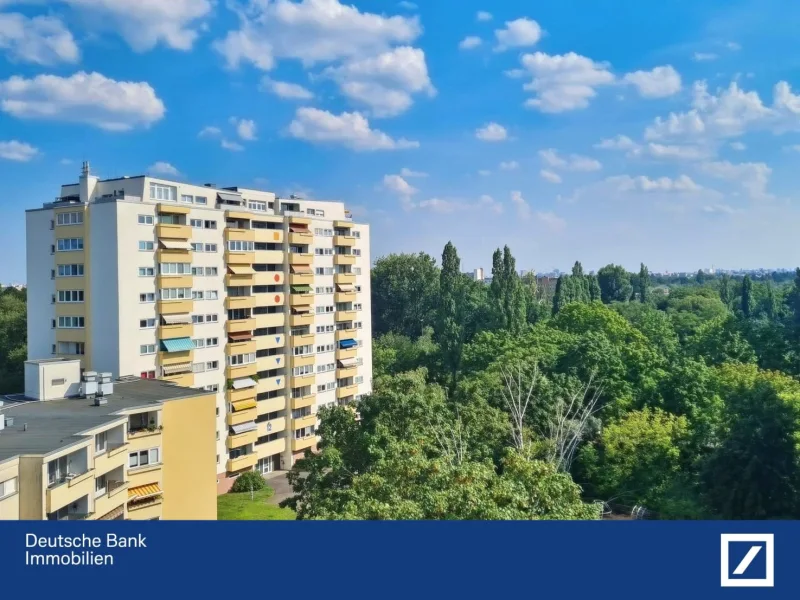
point(450, 324)
point(700, 277)
point(725, 291)
point(719, 340)
point(560, 296)
point(595, 293)
point(513, 299)
point(615, 284)
point(13, 340)
point(747, 297)
point(644, 283)
point(404, 294)
point(581, 283)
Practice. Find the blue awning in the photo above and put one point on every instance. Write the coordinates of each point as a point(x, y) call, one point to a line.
point(177, 345)
point(346, 344)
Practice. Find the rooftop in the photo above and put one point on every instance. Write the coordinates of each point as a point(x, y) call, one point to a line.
point(56, 424)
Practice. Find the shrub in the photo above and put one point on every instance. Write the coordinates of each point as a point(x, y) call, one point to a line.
point(248, 481)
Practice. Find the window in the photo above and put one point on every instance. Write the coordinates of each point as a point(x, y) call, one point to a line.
point(325, 328)
point(146, 219)
point(357, 325)
point(210, 342)
point(70, 322)
point(301, 371)
point(212, 295)
point(144, 458)
point(217, 435)
point(101, 442)
point(321, 310)
point(186, 198)
point(145, 246)
point(323, 251)
point(149, 297)
point(197, 271)
point(214, 387)
point(147, 349)
point(199, 343)
point(199, 367)
point(212, 365)
point(357, 306)
point(356, 252)
point(358, 288)
point(70, 270)
point(302, 350)
point(147, 374)
point(326, 368)
point(197, 247)
point(211, 271)
point(325, 348)
point(242, 359)
point(176, 293)
point(357, 271)
point(70, 244)
point(359, 379)
point(77, 348)
point(147, 323)
point(209, 224)
point(240, 246)
point(198, 295)
point(146, 271)
point(326, 387)
point(196, 223)
point(8, 487)
point(159, 191)
point(70, 296)
point(210, 248)
point(175, 268)
point(70, 218)
point(200, 200)
point(260, 206)
point(200, 319)
point(355, 234)
point(305, 432)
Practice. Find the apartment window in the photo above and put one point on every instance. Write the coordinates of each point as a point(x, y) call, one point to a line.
point(325, 328)
point(326, 387)
point(217, 435)
point(159, 191)
point(145, 246)
point(146, 219)
point(356, 234)
point(304, 370)
point(8, 487)
point(101, 442)
point(305, 432)
point(303, 350)
point(147, 374)
point(146, 271)
point(358, 288)
point(144, 458)
point(200, 200)
point(359, 379)
point(210, 248)
point(212, 365)
point(70, 218)
point(149, 297)
point(209, 224)
point(198, 295)
point(242, 359)
point(147, 323)
point(357, 271)
point(357, 325)
point(211, 271)
point(240, 246)
point(325, 348)
point(199, 367)
point(323, 251)
point(196, 223)
point(147, 349)
point(186, 198)
point(70, 322)
point(71, 348)
point(214, 387)
point(260, 206)
point(199, 343)
point(200, 319)
point(197, 246)
point(212, 295)
point(326, 368)
point(174, 268)
point(197, 271)
point(170, 219)
point(321, 310)
point(210, 342)
point(357, 306)
point(69, 244)
point(70, 296)
point(176, 293)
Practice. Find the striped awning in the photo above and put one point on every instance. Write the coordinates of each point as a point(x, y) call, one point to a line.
point(114, 514)
point(182, 344)
point(345, 287)
point(174, 244)
point(247, 382)
point(144, 491)
point(301, 309)
point(298, 228)
point(347, 362)
point(184, 319)
point(244, 427)
point(241, 269)
point(230, 197)
point(301, 289)
point(300, 269)
point(243, 405)
point(177, 368)
point(240, 336)
point(347, 344)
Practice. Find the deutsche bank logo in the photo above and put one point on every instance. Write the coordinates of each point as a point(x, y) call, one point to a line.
point(748, 559)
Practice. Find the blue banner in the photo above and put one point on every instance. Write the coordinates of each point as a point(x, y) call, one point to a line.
point(637, 559)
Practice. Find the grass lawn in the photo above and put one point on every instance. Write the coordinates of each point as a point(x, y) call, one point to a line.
point(239, 507)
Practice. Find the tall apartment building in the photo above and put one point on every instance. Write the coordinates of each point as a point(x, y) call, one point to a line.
point(262, 300)
point(138, 449)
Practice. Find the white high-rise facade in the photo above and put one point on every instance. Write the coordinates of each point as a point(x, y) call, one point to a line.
point(262, 299)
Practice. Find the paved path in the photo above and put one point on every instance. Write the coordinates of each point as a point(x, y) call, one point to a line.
point(277, 481)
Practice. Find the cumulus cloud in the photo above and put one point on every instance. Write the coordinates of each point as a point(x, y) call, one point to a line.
point(41, 40)
point(573, 162)
point(470, 42)
point(245, 128)
point(232, 146)
point(17, 151)
point(550, 176)
point(620, 142)
point(510, 165)
point(657, 83)
point(563, 82)
point(753, 177)
point(522, 206)
point(491, 132)
point(163, 168)
point(483, 16)
point(210, 132)
point(286, 90)
point(89, 98)
point(351, 130)
point(518, 33)
point(409, 174)
point(642, 183)
point(398, 185)
point(738, 146)
point(407, 5)
point(448, 206)
point(484, 172)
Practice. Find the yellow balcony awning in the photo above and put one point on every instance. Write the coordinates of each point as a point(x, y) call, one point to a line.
point(174, 244)
point(301, 269)
point(243, 405)
point(144, 491)
point(177, 368)
point(345, 287)
point(241, 269)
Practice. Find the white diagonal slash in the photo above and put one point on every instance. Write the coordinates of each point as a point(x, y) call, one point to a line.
point(748, 558)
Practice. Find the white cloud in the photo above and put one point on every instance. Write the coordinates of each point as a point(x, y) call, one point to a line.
point(351, 130)
point(407, 5)
point(385, 83)
point(523, 209)
point(733, 46)
point(491, 132)
point(510, 165)
point(232, 146)
point(753, 177)
point(41, 40)
point(82, 98)
point(245, 128)
point(551, 220)
point(470, 42)
point(484, 172)
point(518, 34)
point(311, 31)
point(573, 162)
point(720, 209)
point(729, 113)
point(681, 184)
point(408, 173)
point(65, 161)
point(739, 146)
point(490, 203)
point(483, 16)
point(563, 82)
point(163, 168)
point(449, 206)
point(286, 90)
point(663, 151)
point(621, 142)
point(17, 151)
point(704, 56)
point(145, 23)
point(550, 176)
point(398, 185)
point(659, 83)
point(210, 132)
point(515, 73)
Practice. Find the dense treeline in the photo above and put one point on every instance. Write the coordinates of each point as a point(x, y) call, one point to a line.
point(13, 339)
point(528, 399)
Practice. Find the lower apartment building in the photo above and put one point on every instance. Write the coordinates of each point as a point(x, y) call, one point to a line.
point(262, 301)
point(79, 447)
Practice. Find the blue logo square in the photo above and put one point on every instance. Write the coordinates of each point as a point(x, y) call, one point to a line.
point(755, 567)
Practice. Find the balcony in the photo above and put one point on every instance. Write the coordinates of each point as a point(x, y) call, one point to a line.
point(232, 302)
point(268, 363)
point(272, 405)
point(242, 394)
point(345, 278)
point(70, 335)
point(174, 281)
point(270, 299)
point(269, 236)
point(304, 443)
point(304, 401)
point(307, 421)
point(167, 332)
point(301, 320)
point(175, 358)
point(248, 280)
point(310, 379)
point(239, 235)
point(271, 448)
point(242, 439)
point(270, 320)
point(165, 255)
point(235, 348)
point(300, 258)
point(181, 379)
point(344, 297)
point(174, 307)
point(302, 340)
point(175, 232)
point(344, 240)
point(172, 209)
point(268, 277)
point(115, 456)
point(301, 239)
point(301, 278)
point(267, 342)
point(240, 258)
point(345, 315)
point(345, 372)
point(301, 299)
point(273, 426)
point(346, 334)
point(301, 361)
point(271, 384)
point(345, 391)
point(241, 416)
point(344, 259)
point(240, 371)
point(143, 439)
point(112, 499)
point(240, 325)
point(341, 354)
point(248, 461)
point(69, 490)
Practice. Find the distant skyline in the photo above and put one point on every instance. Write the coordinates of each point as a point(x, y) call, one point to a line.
point(667, 133)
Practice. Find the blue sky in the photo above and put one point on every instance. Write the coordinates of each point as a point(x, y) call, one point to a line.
point(667, 133)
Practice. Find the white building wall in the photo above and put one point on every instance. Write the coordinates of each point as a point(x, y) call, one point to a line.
point(109, 304)
point(365, 314)
point(41, 285)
